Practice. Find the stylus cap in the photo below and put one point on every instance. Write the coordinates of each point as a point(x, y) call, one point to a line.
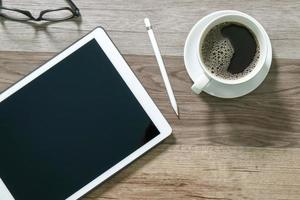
point(147, 23)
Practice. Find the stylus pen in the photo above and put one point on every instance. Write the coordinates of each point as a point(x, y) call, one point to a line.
point(161, 65)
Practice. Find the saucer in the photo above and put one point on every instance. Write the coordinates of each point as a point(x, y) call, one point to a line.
point(215, 88)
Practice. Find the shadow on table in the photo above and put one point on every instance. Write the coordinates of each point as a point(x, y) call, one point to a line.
point(259, 119)
point(41, 26)
point(130, 169)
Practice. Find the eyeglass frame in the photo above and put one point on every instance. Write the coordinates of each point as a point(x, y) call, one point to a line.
point(73, 9)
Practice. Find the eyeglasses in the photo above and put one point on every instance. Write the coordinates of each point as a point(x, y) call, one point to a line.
point(52, 15)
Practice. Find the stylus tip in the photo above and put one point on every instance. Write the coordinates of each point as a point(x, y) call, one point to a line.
point(176, 110)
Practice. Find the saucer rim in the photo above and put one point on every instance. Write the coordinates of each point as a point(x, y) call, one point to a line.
point(240, 92)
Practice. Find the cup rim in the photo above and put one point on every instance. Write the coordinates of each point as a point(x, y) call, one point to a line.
point(260, 37)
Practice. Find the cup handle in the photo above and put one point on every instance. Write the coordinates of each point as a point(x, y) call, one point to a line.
point(200, 83)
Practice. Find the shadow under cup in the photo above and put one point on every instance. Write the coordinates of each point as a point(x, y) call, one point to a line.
point(251, 24)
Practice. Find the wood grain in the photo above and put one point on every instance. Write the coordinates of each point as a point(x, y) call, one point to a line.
point(206, 172)
point(171, 19)
point(236, 149)
point(245, 148)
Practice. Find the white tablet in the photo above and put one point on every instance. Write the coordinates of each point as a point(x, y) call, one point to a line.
point(74, 122)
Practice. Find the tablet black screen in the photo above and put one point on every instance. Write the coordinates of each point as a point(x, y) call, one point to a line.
point(68, 126)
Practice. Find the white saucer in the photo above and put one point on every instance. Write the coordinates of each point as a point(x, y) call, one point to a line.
point(216, 88)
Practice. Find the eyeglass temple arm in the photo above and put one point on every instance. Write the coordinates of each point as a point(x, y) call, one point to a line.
point(72, 4)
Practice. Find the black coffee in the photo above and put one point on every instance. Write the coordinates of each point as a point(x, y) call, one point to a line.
point(230, 50)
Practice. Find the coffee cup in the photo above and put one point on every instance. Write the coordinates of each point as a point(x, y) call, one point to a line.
point(250, 23)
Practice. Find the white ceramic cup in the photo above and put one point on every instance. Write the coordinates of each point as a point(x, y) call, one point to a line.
point(255, 27)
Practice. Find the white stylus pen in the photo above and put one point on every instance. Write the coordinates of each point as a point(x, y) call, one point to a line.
point(161, 65)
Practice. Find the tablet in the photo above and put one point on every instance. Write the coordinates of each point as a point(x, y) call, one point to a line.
point(74, 122)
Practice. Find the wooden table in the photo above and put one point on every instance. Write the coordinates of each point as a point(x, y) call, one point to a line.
point(221, 149)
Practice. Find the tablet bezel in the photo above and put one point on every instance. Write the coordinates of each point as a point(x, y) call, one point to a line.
point(132, 82)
